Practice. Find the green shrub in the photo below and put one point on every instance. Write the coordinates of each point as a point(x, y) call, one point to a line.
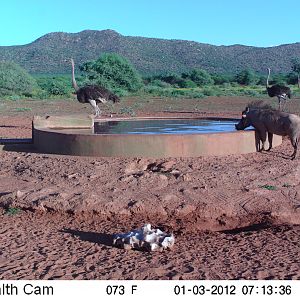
point(41, 94)
point(200, 77)
point(55, 86)
point(196, 94)
point(120, 92)
point(159, 83)
point(292, 78)
point(187, 83)
point(268, 187)
point(251, 93)
point(222, 78)
point(173, 92)
point(11, 211)
point(172, 79)
point(14, 80)
point(212, 91)
point(113, 72)
point(247, 77)
point(226, 85)
point(13, 97)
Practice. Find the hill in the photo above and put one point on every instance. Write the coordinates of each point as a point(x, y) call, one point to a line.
point(48, 53)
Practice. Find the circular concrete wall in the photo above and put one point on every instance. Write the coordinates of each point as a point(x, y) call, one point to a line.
point(73, 135)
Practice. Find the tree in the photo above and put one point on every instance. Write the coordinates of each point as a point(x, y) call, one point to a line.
point(292, 78)
point(247, 77)
point(200, 77)
point(296, 68)
point(171, 78)
point(222, 78)
point(14, 80)
point(279, 78)
point(187, 83)
point(113, 72)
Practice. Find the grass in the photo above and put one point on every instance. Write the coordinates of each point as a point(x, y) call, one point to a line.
point(12, 211)
point(268, 187)
point(20, 109)
point(226, 89)
point(205, 91)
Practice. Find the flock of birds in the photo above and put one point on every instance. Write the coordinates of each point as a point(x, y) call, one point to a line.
point(95, 94)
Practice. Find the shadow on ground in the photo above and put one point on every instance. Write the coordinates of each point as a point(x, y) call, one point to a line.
point(93, 237)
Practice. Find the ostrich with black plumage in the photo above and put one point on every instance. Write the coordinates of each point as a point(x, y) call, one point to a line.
point(93, 94)
point(280, 91)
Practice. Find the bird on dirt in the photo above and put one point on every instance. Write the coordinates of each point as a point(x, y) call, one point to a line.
point(93, 94)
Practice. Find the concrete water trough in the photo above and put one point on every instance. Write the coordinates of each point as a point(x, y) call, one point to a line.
point(142, 137)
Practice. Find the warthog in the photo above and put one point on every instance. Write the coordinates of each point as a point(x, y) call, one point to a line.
point(266, 120)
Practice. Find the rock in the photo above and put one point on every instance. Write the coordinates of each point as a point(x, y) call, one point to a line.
point(185, 209)
point(70, 176)
point(144, 164)
point(170, 198)
point(20, 194)
point(131, 168)
point(127, 179)
point(186, 177)
point(163, 177)
point(175, 172)
point(137, 167)
point(167, 166)
point(145, 239)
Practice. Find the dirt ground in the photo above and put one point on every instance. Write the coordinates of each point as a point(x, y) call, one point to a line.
point(233, 217)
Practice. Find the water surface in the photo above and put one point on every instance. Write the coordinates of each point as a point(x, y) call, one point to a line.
point(165, 126)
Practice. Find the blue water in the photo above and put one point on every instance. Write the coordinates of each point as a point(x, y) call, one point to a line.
point(165, 126)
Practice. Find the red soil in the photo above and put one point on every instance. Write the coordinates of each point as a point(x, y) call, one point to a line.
point(226, 225)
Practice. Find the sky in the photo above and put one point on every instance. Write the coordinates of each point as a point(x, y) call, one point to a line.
point(261, 23)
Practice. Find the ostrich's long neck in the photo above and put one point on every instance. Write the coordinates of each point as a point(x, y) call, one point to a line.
point(269, 71)
point(74, 83)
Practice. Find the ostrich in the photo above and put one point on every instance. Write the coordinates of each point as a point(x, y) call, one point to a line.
point(280, 91)
point(92, 94)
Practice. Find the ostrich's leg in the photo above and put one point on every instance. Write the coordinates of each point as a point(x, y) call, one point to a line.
point(95, 106)
point(97, 111)
point(102, 100)
point(279, 102)
point(284, 102)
